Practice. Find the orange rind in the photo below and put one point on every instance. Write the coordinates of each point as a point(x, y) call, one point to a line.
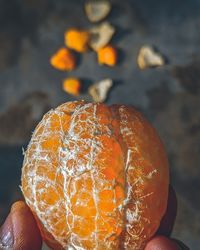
point(77, 39)
point(63, 60)
point(107, 56)
point(72, 86)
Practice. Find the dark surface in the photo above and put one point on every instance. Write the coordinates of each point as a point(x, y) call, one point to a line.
point(31, 30)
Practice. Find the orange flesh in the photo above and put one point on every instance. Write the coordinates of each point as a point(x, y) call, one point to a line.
point(96, 177)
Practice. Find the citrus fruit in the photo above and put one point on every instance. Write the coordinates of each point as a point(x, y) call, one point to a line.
point(95, 177)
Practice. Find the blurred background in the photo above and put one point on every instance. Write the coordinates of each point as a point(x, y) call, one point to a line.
point(169, 96)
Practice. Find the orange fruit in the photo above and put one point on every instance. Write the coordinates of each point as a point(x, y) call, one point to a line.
point(96, 177)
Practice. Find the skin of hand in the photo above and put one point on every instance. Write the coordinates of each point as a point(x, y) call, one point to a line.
point(20, 231)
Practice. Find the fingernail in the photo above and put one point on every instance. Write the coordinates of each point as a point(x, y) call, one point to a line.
point(6, 234)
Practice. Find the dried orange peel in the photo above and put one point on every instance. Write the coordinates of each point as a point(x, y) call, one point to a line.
point(96, 177)
point(77, 40)
point(63, 60)
point(72, 86)
point(107, 55)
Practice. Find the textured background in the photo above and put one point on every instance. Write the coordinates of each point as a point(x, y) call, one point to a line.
point(31, 30)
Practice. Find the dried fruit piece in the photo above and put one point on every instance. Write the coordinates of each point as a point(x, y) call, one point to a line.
point(148, 57)
point(96, 177)
point(101, 35)
point(72, 86)
point(107, 56)
point(77, 40)
point(97, 10)
point(63, 59)
point(99, 90)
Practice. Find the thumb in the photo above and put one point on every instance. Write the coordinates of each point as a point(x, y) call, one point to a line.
point(20, 231)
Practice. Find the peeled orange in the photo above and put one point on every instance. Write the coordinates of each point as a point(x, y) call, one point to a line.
point(96, 177)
